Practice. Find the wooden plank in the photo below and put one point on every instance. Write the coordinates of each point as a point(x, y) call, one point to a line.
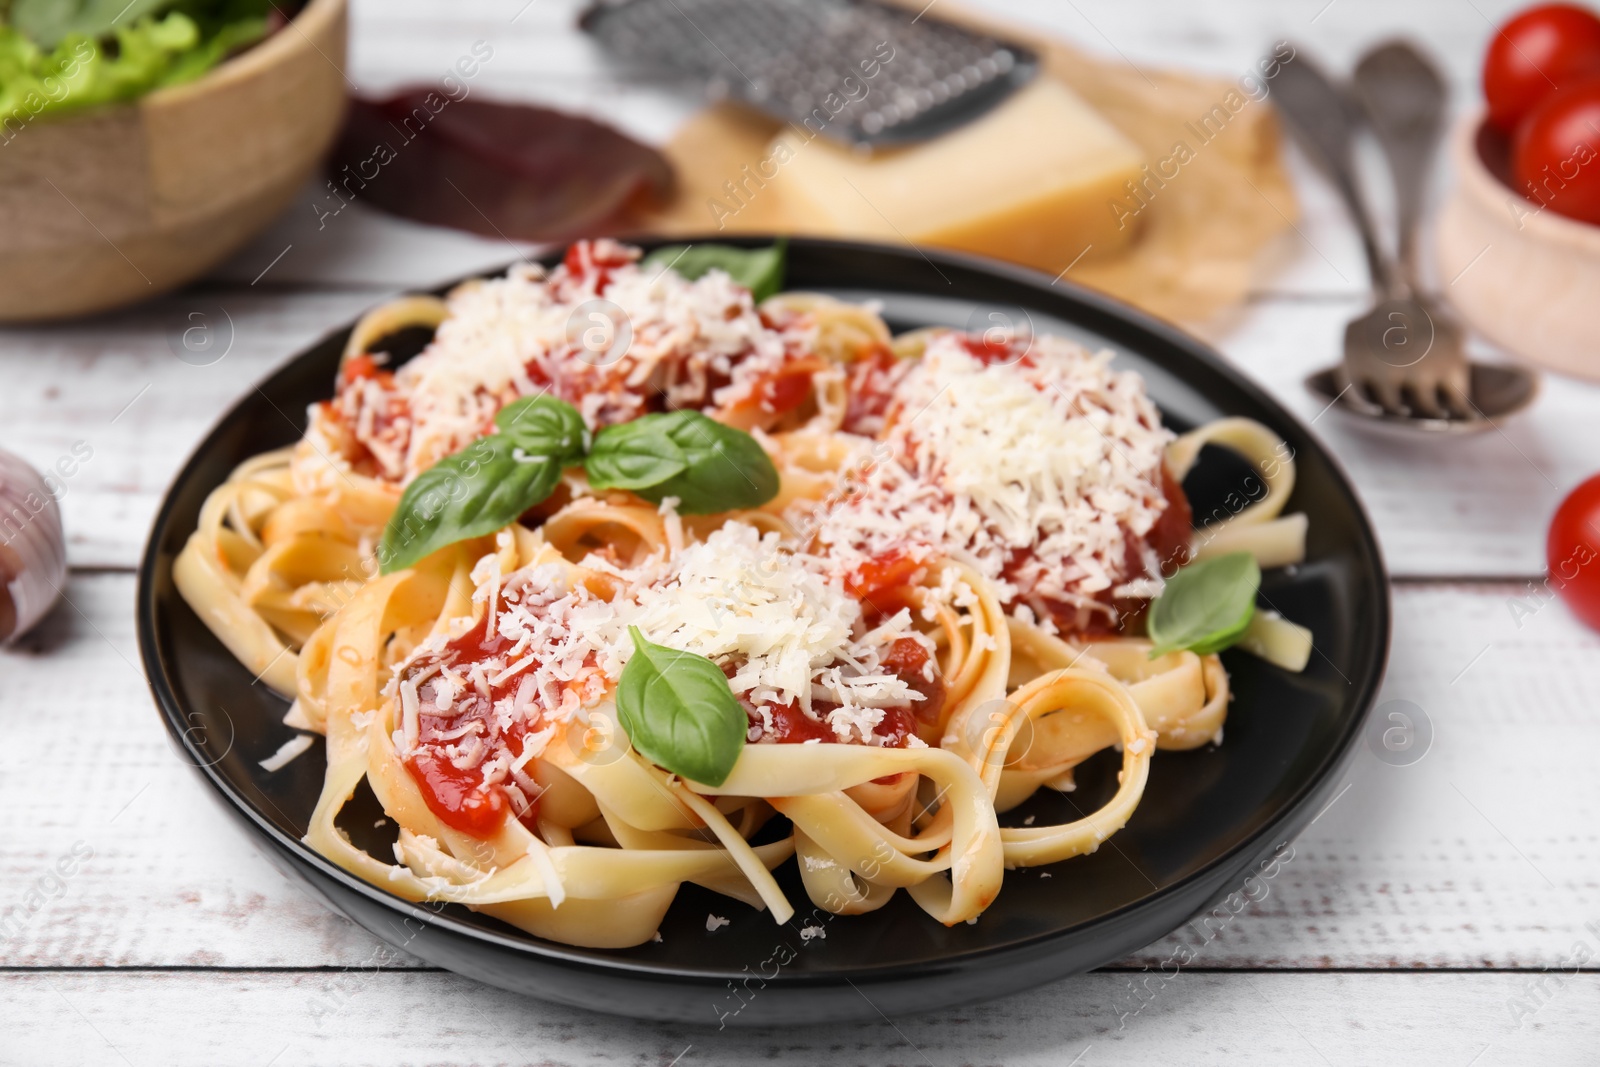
point(1426, 1020)
point(1477, 855)
point(117, 384)
point(1468, 849)
point(171, 880)
point(1473, 856)
point(1468, 507)
point(1474, 508)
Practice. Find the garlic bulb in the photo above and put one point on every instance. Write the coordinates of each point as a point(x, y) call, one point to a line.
point(33, 550)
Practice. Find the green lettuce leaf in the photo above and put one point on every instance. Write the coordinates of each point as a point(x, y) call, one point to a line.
point(59, 56)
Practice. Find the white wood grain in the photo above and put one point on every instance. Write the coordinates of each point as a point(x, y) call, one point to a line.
point(1472, 507)
point(1468, 506)
point(117, 384)
point(1479, 855)
point(1442, 1020)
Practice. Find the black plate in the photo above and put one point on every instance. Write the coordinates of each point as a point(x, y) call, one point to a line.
point(1207, 817)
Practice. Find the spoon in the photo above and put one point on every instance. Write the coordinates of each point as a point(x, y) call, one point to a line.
point(1405, 367)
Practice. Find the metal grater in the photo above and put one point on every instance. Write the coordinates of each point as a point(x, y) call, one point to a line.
point(862, 73)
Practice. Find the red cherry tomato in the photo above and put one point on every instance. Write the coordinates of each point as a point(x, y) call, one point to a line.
point(1543, 49)
point(1555, 156)
point(1572, 551)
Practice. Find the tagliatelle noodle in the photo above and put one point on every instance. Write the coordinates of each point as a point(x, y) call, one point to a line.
point(281, 568)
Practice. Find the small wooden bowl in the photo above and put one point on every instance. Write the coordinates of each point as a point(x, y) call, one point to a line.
point(1525, 278)
point(123, 203)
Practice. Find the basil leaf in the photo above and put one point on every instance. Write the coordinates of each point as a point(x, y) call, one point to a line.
point(679, 712)
point(1206, 606)
point(727, 468)
point(474, 492)
point(546, 426)
point(709, 467)
point(634, 455)
point(759, 270)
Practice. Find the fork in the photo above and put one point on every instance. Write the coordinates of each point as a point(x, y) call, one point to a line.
point(1404, 357)
point(1404, 100)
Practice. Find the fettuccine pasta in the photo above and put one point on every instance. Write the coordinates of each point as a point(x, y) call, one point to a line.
point(935, 616)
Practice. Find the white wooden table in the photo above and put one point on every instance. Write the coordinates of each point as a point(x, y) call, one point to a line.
point(1446, 911)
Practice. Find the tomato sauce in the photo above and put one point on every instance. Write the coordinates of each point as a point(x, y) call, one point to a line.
point(881, 583)
point(875, 582)
point(458, 797)
point(875, 374)
point(1169, 538)
point(871, 390)
point(365, 422)
point(990, 350)
point(594, 262)
point(908, 659)
point(1174, 530)
point(390, 418)
point(792, 726)
point(364, 366)
point(785, 390)
point(462, 798)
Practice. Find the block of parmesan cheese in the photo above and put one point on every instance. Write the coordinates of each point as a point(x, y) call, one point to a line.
point(1036, 181)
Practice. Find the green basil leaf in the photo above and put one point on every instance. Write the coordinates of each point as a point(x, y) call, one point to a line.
point(1206, 606)
point(759, 270)
point(634, 455)
point(727, 467)
point(545, 426)
point(709, 467)
point(474, 492)
point(680, 713)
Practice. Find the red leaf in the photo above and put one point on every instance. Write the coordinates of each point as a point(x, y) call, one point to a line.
point(501, 170)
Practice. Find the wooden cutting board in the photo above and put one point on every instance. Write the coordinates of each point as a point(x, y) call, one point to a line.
point(1200, 235)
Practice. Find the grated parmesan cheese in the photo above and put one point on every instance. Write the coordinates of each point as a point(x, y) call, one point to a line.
point(742, 599)
point(1044, 473)
point(651, 335)
point(286, 753)
point(779, 624)
point(539, 853)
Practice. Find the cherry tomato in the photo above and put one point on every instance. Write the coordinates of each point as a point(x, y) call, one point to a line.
point(1543, 49)
point(1572, 552)
point(1555, 156)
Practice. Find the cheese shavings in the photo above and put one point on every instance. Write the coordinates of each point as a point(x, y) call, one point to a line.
point(1046, 473)
point(539, 853)
point(781, 627)
point(786, 629)
point(598, 332)
point(286, 753)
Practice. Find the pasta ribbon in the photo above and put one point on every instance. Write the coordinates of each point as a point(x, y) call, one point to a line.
point(994, 703)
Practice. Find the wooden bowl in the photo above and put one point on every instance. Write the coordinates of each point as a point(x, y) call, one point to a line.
point(1525, 277)
point(123, 203)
